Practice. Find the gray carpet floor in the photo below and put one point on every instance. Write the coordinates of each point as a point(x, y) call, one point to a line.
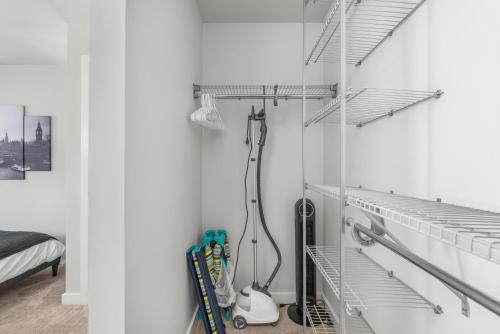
point(34, 307)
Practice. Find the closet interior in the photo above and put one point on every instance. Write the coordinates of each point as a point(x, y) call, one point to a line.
point(379, 233)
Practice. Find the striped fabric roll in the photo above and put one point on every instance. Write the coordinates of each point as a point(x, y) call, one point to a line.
point(209, 259)
point(208, 309)
point(227, 250)
point(217, 260)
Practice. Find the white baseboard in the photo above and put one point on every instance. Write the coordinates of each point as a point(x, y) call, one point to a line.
point(71, 298)
point(283, 297)
point(193, 324)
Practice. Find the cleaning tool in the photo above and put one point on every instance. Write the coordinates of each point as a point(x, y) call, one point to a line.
point(254, 304)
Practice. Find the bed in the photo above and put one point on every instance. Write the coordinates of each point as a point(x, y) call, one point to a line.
point(23, 254)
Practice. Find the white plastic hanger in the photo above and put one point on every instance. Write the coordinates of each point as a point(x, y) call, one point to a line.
point(208, 116)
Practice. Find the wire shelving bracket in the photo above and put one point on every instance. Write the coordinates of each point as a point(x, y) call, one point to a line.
point(369, 24)
point(366, 105)
point(471, 230)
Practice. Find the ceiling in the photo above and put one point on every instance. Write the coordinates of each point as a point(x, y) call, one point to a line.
point(260, 10)
point(35, 32)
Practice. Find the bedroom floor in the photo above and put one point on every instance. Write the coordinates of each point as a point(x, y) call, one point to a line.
point(34, 307)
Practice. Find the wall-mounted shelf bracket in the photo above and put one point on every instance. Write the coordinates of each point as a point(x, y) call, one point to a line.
point(333, 89)
point(463, 299)
point(465, 307)
point(275, 95)
point(196, 91)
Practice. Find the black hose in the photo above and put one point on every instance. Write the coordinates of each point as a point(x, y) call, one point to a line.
point(246, 200)
point(263, 220)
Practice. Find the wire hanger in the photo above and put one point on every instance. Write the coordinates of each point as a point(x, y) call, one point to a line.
point(208, 115)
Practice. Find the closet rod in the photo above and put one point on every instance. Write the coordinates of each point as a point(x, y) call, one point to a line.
point(478, 296)
point(271, 97)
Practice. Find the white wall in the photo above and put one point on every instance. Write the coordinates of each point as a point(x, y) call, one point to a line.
point(144, 175)
point(162, 163)
point(47, 202)
point(106, 167)
point(257, 53)
point(442, 148)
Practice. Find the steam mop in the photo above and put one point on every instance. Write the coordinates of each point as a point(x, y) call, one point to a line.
point(254, 304)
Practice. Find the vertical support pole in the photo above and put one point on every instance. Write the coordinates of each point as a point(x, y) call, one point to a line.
point(254, 208)
point(342, 92)
point(304, 229)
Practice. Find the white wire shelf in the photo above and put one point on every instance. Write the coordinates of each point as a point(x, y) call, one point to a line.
point(328, 266)
point(265, 91)
point(368, 24)
point(368, 285)
point(324, 321)
point(471, 230)
point(366, 105)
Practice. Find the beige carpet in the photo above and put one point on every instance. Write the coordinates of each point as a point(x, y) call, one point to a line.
point(34, 307)
point(285, 325)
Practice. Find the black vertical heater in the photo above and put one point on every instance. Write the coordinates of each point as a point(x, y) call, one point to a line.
point(295, 310)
